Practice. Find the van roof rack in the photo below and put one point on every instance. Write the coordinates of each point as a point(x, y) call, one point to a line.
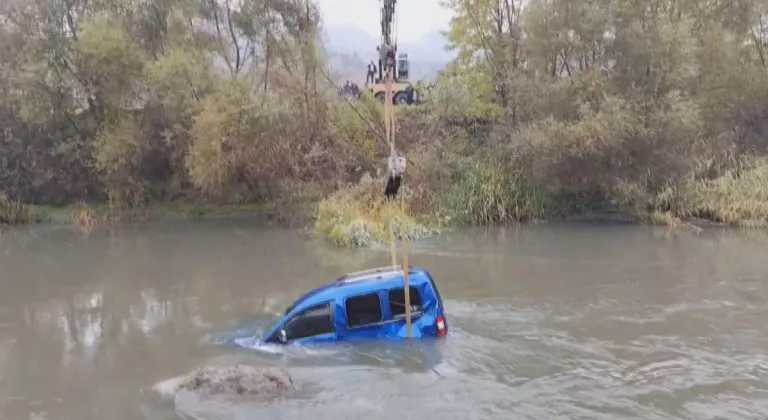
point(371, 272)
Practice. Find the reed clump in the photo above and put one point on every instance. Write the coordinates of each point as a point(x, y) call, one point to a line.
point(738, 197)
point(14, 212)
point(84, 218)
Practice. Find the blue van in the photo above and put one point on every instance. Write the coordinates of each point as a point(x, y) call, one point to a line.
point(363, 305)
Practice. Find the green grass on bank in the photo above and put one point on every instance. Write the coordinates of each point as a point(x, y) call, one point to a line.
point(16, 213)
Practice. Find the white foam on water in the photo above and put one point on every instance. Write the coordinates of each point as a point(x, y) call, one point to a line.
point(252, 343)
point(168, 388)
point(292, 350)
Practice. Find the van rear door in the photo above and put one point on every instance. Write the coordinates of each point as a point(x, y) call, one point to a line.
point(441, 310)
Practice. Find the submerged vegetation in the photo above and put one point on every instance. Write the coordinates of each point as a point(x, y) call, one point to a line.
point(653, 109)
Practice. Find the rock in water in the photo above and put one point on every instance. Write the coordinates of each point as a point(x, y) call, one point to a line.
point(238, 380)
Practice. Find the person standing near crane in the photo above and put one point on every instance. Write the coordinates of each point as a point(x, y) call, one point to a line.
point(371, 76)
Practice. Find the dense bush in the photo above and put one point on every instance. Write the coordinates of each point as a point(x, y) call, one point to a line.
point(359, 216)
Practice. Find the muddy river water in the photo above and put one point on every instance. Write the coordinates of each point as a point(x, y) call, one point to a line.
point(547, 322)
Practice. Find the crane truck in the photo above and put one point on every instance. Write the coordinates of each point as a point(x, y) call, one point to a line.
point(389, 59)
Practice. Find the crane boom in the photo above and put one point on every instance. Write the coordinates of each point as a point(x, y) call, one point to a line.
point(388, 47)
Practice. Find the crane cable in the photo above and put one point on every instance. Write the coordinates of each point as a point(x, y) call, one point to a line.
point(396, 162)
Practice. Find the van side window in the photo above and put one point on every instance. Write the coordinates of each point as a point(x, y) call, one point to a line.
point(363, 310)
point(310, 322)
point(397, 301)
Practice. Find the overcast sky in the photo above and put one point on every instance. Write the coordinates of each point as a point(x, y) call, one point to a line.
point(414, 17)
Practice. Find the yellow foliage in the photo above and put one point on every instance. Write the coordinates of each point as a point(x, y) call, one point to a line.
point(238, 135)
point(179, 77)
point(220, 127)
point(360, 216)
point(110, 59)
point(119, 149)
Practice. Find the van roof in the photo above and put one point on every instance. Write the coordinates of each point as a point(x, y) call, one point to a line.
point(361, 282)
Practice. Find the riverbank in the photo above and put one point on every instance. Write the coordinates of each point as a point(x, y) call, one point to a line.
point(342, 219)
point(357, 215)
point(95, 214)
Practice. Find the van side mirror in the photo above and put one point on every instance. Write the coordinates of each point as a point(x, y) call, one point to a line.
point(282, 336)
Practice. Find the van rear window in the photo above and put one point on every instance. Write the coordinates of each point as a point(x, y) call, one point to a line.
point(397, 301)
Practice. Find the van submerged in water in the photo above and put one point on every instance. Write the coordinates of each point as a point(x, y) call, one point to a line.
point(363, 305)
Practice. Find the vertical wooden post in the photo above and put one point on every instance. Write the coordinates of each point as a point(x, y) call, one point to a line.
point(390, 138)
point(389, 126)
point(392, 247)
point(406, 280)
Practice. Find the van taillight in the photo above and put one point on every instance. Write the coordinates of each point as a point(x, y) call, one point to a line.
point(440, 323)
